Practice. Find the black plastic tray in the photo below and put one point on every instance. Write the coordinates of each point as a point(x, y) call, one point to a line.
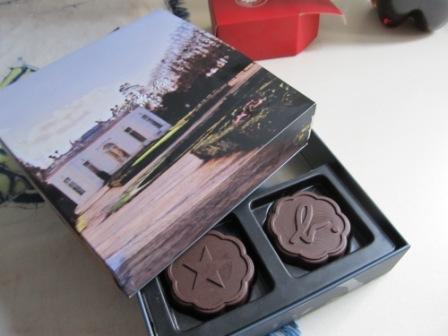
point(281, 291)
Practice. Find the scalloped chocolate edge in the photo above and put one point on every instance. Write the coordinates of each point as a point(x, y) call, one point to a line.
point(240, 297)
point(298, 258)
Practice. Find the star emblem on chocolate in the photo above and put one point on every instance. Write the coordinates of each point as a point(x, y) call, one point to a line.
point(308, 228)
point(206, 269)
point(213, 275)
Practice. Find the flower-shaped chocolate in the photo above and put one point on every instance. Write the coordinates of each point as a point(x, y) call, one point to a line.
point(213, 275)
point(308, 228)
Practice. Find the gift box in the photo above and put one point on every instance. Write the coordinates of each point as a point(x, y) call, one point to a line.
point(144, 141)
point(269, 28)
point(146, 144)
point(284, 291)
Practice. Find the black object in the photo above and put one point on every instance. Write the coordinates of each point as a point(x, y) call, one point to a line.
point(178, 8)
point(282, 292)
point(428, 15)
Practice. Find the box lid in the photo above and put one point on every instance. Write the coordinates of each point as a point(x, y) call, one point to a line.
point(147, 138)
point(236, 11)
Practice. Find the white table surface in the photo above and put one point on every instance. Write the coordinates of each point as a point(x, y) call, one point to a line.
point(381, 97)
point(382, 109)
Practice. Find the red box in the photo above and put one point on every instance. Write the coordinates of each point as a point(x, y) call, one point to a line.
point(269, 28)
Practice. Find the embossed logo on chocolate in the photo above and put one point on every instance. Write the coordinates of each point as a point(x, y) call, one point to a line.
point(309, 227)
point(206, 269)
point(251, 3)
point(213, 275)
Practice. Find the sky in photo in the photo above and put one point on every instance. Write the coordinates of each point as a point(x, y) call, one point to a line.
point(58, 104)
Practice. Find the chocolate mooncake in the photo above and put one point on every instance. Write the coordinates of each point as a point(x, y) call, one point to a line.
point(308, 229)
point(212, 276)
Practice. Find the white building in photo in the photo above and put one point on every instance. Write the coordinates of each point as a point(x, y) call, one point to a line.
point(102, 151)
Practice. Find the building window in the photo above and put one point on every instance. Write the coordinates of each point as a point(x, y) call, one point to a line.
point(116, 152)
point(98, 172)
point(136, 135)
point(73, 185)
point(151, 121)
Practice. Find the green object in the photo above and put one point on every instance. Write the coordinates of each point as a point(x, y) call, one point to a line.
point(12, 182)
point(13, 185)
point(15, 73)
